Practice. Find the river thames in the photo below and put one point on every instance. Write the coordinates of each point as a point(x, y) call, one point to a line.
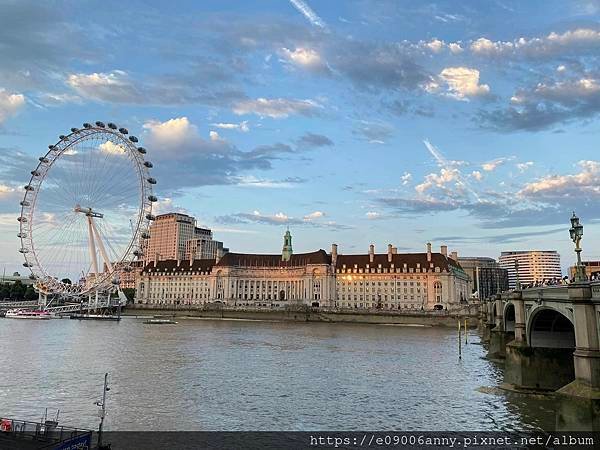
point(252, 375)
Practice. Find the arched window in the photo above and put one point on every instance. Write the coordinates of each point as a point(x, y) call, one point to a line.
point(437, 291)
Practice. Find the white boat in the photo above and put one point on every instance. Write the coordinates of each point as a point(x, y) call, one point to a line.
point(27, 314)
point(159, 321)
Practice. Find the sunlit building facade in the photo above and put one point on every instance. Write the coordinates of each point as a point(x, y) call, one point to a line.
point(388, 281)
point(531, 266)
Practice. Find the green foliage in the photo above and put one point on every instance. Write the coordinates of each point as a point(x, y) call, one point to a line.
point(129, 293)
point(4, 291)
point(30, 293)
point(17, 291)
point(66, 281)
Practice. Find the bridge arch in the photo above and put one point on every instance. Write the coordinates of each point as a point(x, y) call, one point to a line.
point(549, 327)
point(509, 318)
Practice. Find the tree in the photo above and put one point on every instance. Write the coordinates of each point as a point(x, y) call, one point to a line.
point(66, 281)
point(4, 291)
point(129, 293)
point(30, 293)
point(17, 290)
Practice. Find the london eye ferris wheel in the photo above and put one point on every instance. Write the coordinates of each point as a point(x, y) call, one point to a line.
point(86, 210)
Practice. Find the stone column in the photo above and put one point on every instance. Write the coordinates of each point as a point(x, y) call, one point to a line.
point(497, 348)
point(517, 300)
point(489, 322)
point(579, 407)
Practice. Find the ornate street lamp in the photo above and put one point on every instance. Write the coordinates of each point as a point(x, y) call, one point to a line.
point(576, 232)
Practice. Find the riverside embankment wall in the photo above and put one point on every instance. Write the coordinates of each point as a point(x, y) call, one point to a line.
point(429, 318)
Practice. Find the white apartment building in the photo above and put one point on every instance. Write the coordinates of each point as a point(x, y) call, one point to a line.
point(203, 246)
point(532, 266)
point(174, 235)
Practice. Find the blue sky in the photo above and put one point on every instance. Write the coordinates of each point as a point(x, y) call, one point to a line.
point(471, 124)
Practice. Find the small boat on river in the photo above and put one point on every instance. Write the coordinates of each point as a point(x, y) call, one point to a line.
point(27, 314)
point(159, 321)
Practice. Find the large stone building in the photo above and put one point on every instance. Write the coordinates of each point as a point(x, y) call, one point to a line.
point(365, 281)
point(487, 275)
point(533, 266)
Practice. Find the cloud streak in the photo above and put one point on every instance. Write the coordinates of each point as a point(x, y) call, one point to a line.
point(307, 12)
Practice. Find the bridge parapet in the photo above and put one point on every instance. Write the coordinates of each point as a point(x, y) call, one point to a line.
point(550, 293)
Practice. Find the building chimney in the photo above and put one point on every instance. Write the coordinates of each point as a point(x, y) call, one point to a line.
point(444, 250)
point(454, 256)
point(156, 256)
point(389, 253)
point(395, 250)
point(429, 252)
point(371, 253)
point(334, 255)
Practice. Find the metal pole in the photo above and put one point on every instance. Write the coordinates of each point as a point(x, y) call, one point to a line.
point(103, 411)
point(459, 342)
point(466, 334)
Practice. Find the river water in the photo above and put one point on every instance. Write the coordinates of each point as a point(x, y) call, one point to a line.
point(252, 375)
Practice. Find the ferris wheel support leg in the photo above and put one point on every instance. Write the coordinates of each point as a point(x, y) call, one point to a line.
point(42, 300)
point(92, 246)
point(101, 246)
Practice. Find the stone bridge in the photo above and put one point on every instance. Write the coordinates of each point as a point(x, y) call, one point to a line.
point(549, 341)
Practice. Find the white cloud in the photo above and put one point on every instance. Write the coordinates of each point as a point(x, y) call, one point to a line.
point(276, 108)
point(490, 166)
point(549, 45)
point(406, 178)
point(112, 86)
point(252, 181)
point(582, 185)
point(5, 190)
point(10, 104)
point(455, 48)
point(438, 180)
point(314, 215)
point(242, 126)
point(566, 91)
point(173, 132)
point(111, 148)
point(371, 215)
point(214, 136)
point(524, 166)
point(278, 217)
point(463, 82)
point(166, 205)
point(304, 57)
point(477, 175)
point(435, 45)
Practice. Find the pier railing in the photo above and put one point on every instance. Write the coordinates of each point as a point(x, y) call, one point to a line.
point(48, 432)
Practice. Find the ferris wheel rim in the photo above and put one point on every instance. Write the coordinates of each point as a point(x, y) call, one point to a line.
point(45, 282)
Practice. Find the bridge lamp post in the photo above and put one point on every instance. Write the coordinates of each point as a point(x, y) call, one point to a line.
point(576, 232)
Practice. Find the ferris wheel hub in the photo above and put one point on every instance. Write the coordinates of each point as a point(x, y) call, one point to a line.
point(88, 212)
